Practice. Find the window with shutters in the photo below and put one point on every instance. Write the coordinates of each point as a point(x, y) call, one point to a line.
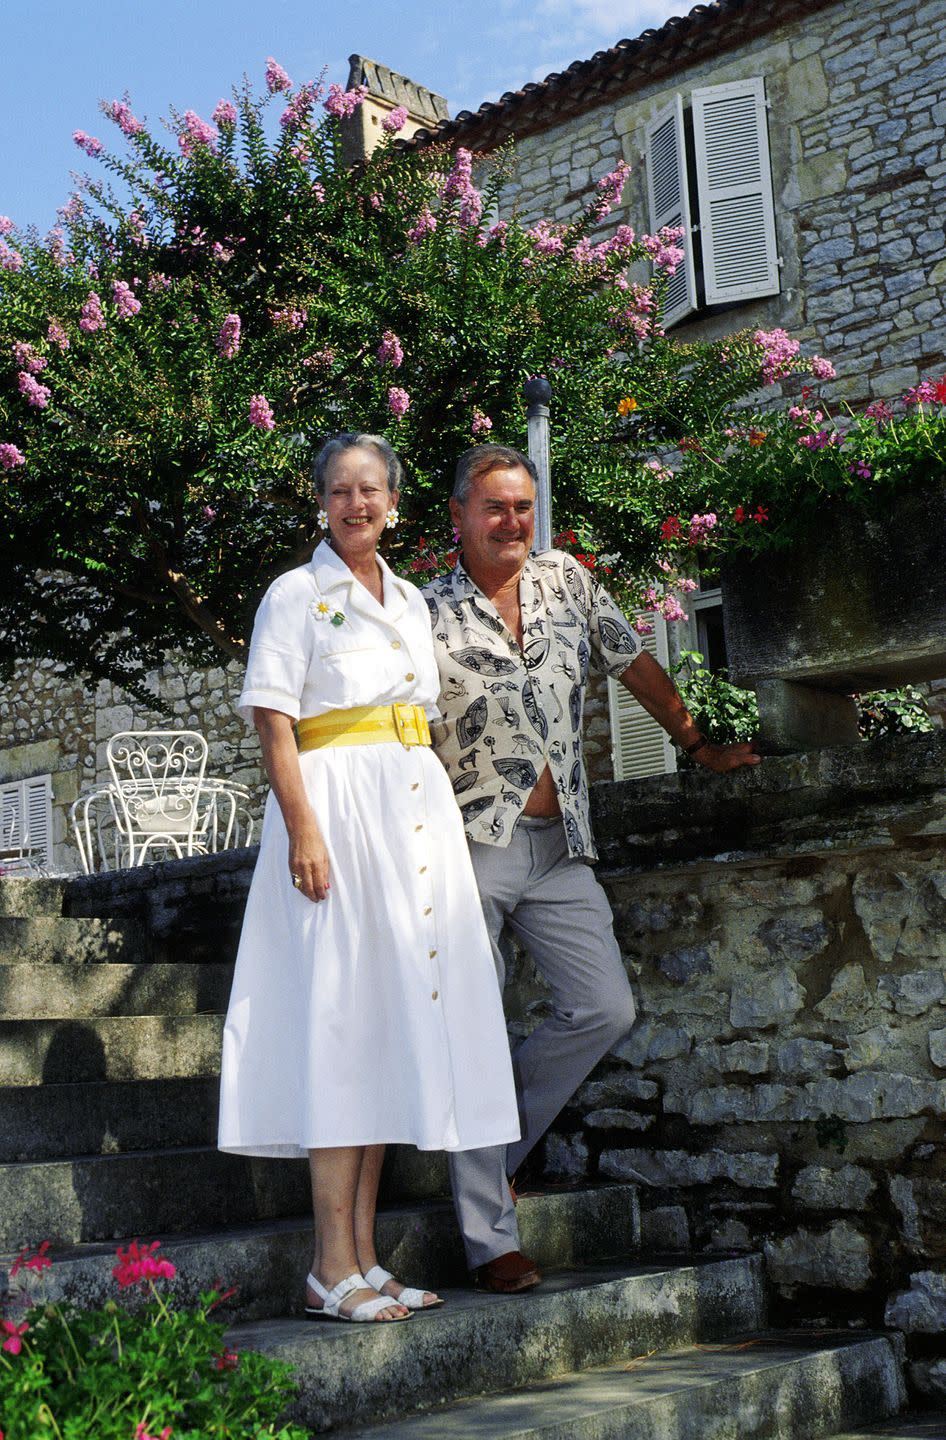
point(639, 746)
point(709, 171)
point(26, 817)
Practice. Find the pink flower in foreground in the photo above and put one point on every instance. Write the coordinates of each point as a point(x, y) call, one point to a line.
point(642, 626)
point(10, 259)
point(482, 424)
point(922, 394)
point(197, 132)
point(860, 470)
point(6, 224)
point(459, 186)
point(228, 337)
point(276, 77)
point(13, 1344)
point(26, 358)
point(125, 300)
point(139, 1264)
point(395, 121)
point(261, 413)
point(91, 316)
point(10, 457)
point(296, 113)
point(779, 349)
point(88, 143)
point(700, 527)
point(290, 318)
point(390, 351)
point(56, 335)
point(822, 369)
point(226, 1360)
point(880, 411)
point(398, 401)
point(224, 114)
point(425, 224)
point(127, 123)
point(24, 1261)
point(342, 103)
point(142, 1434)
point(32, 391)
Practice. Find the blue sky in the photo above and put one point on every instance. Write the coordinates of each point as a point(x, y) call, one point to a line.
point(60, 58)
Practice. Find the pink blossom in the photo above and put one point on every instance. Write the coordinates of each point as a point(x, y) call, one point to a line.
point(320, 358)
point(671, 609)
point(425, 224)
point(125, 300)
point(142, 1434)
point(11, 456)
point(922, 394)
point(700, 527)
point(56, 335)
point(663, 249)
point(6, 224)
point(459, 186)
point(482, 424)
point(32, 391)
point(498, 232)
point(136, 228)
point(38, 1262)
point(197, 132)
point(158, 281)
point(220, 253)
point(56, 246)
point(73, 210)
point(10, 259)
point(390, 351)
point(779, 349)
point(547, 238)
point(375, 201)
point(642, 626)
point(224, 114)
point(88, 143)
point(880, 411)
point(395, 121)
point(127, 123)
point(261, 413)
point(818, 440)
point(610, 188)
point(26, 358)
point(822, 369)
point(398, 401)
point(343, 103)
point(290, 318)
point(296, 113)
point(318, 190)
point(228, 337)
point(139, 1264)
point(13, 1344)
point(860, 470)
point(208, 512)
point(276, 77)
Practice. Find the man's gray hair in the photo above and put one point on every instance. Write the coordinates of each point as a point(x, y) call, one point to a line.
point(481, 460)
point(347, 440)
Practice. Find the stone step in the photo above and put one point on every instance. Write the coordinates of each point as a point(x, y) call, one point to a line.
point(56, 1122)
point(63, 991)
point(267, 1262)
point(928, 1425)
point(360, 1374)
point(56, 939)
point(758, 1387)
point(135, 1047)
point(22, 896)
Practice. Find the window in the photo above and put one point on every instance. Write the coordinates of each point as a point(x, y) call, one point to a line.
point(639, 746)
point(26, 817)
point(709, 170)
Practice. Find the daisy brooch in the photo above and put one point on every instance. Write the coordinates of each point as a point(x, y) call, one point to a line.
point(322, 611)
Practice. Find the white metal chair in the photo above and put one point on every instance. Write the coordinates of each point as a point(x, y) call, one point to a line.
point(160, 801)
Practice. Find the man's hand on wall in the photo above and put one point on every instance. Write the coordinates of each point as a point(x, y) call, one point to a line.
point(723, 758)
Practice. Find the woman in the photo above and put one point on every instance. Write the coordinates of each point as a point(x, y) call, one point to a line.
point(364, 1008)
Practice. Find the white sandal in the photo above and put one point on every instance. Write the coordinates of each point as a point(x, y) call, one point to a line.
point(330, 1309)
point(413, 1299)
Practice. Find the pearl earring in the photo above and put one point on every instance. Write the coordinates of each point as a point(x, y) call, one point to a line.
point(323, 519)
point(392, 518)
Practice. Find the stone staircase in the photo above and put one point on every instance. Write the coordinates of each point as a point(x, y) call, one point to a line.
point(108, 1065)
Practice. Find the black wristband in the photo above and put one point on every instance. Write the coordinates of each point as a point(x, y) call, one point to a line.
point(697, 745)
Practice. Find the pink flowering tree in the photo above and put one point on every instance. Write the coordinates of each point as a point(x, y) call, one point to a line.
point(215, 303)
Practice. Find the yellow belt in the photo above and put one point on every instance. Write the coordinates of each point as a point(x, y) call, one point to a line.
point(365, 725)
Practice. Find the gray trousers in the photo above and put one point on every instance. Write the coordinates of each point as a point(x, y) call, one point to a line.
point(555, 907)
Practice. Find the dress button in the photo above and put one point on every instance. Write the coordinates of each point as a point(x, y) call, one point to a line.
point(428, 909)
point(416, 785)
point(418, 827)
point(434, 994)
point(409, 675)
point(431, 954)
point(422, 870)
point(395, 644)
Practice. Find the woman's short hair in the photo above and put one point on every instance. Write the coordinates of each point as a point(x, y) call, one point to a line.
point(481, 460)
point(347, 440)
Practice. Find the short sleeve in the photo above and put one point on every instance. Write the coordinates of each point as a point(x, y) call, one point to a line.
point(279, 655)
point(614, 642)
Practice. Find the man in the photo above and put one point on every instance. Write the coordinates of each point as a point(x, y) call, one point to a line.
point(514, 637)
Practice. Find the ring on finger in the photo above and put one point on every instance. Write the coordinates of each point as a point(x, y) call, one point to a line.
point(297, 881)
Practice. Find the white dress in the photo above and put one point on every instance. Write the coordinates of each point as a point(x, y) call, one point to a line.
point(374, 1015)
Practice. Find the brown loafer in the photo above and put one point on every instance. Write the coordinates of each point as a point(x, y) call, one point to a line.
point(507, 1274)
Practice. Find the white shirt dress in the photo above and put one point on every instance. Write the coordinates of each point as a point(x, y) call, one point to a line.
point(374, 1015)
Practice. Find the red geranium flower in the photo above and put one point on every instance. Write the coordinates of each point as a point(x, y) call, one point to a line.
point(761, 515)
point(671, 529)
point(739, 514)
point(940, 391)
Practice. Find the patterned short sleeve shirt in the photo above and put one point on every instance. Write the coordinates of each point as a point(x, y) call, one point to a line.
point(509, 712)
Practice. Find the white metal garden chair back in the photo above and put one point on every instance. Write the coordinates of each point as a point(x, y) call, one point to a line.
point(157, 780)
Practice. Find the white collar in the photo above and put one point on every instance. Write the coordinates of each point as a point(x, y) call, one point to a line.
point(330, 571)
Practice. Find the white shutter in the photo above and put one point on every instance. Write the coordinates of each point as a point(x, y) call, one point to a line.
point(734, 183)
point(669, 201)
point(639, 745)
point(26, 817)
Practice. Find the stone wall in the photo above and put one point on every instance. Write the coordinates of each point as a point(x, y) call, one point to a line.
point(859, 178)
